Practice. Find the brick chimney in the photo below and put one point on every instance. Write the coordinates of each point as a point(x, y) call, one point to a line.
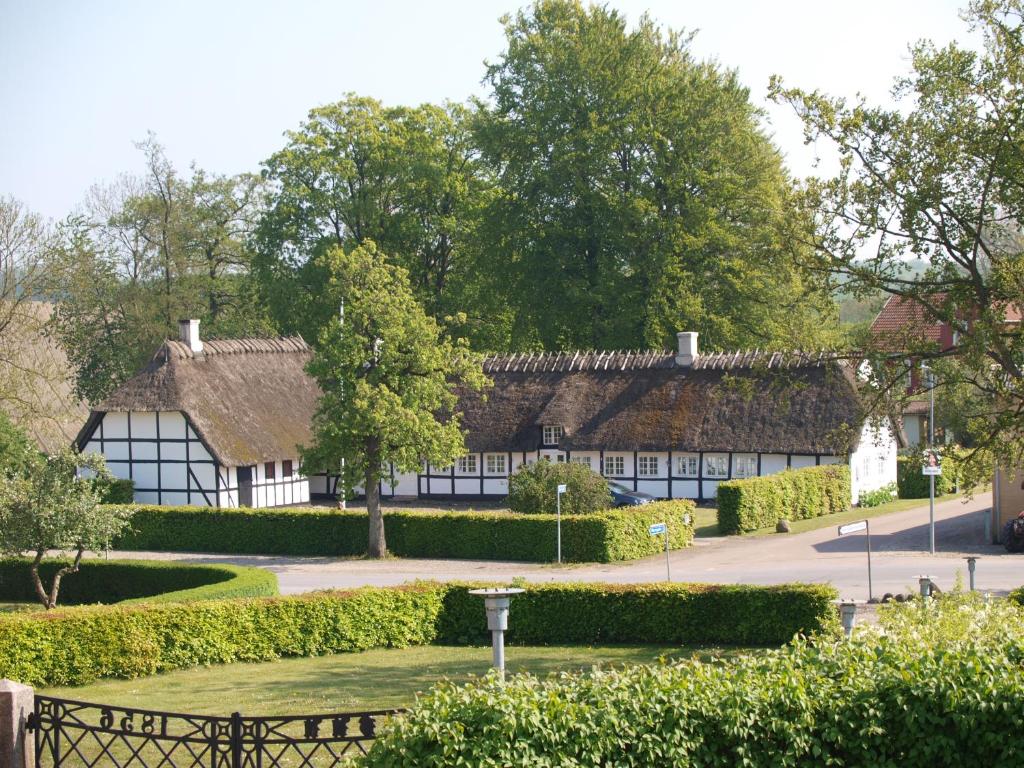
point(687, 353)
point(188, 331)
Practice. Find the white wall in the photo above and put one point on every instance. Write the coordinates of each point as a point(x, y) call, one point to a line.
point(873, 461)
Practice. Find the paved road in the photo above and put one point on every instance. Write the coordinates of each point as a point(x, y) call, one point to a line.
point(899, 542)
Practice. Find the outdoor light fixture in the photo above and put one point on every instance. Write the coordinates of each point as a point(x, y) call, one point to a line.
point(496, 601)
point(848, 614)
point(972, 563)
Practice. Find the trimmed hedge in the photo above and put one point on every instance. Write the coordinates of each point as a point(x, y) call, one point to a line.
point(115, 581)
point(795, 494)
point(77, 645)
point(619, 534)
point(911, 484)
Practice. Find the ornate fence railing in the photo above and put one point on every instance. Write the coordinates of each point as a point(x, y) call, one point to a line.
point(77, 734)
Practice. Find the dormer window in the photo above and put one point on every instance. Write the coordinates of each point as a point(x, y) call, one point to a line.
point(552, 434)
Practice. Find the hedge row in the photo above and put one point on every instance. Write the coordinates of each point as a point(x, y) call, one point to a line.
point(115, 581)
point(619, 534)
point(796, 494)
point(911, 484)
point(874, 701)
point(77, 645)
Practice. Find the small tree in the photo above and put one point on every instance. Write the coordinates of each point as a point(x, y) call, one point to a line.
point(53, 507)
point(17, 453)
point(532, 489)
point(388, 374)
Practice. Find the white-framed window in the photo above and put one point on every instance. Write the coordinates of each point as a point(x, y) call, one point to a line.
point(614, 466)
point(552, 434)
point(647, 466)
point(688, 465)
point(467, 464)
point(744, 465)
point(495, 463)
point(716, 466)
point(584, 460)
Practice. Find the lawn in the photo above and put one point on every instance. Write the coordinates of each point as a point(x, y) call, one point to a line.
point(20, 607)
point(376, 679)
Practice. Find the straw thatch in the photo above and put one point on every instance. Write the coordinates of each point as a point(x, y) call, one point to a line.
point(642, 401)
point(250, 400)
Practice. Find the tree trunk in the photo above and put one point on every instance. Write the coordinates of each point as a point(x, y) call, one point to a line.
point(377, 547)
point(49, 601)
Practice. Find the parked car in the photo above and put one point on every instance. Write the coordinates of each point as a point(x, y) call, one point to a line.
point(624, 497)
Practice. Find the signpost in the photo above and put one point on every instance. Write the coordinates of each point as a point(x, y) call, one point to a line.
point(562, 488)
point(931, 469)
point(857, 527)
point(661, 529)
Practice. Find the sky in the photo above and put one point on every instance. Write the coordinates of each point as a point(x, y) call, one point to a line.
point(220, 81)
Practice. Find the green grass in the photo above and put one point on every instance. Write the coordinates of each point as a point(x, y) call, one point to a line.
point(377, 679)
point(20, 607)
point(705, 522)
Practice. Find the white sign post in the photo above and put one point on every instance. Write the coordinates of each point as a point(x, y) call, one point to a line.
point(857, 527)
point(662, 529)
point(562, 488)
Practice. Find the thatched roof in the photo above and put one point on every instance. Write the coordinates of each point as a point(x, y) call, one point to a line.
point(249, 399)
point(743, 401)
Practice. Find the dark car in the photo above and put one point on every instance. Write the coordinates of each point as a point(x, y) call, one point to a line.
point(624, 497)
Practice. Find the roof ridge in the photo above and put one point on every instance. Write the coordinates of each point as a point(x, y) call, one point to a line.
point(639, 359)
point(258, 345)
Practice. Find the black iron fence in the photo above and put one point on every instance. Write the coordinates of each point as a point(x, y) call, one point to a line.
point(76, 734)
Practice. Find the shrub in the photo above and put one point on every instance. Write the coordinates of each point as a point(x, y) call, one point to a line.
point(614, 534)
point(532, 489)
point(117, 491)
point(114, 581)
point(73, 646)
point(796, 494)
point(911, 484)
point(926, 693)
point(877, 497)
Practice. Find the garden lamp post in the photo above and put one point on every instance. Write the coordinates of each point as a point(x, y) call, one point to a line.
point(496, 601)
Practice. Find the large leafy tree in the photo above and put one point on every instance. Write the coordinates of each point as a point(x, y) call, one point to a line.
point(146, 252)
point(639, 196)
point(387, 374)
point(52, 506)
point(407, 178)
point(939, 177)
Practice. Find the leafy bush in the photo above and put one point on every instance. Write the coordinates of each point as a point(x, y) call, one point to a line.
point(532, 489)
point(114, 581)
point(603, 537)
point(877, 497)
point(938, 688)
point(911, 484)
point(76, 645)
point(795, 494)
point(117, 491)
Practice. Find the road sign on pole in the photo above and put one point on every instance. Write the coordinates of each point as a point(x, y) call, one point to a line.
point(857, 527)
point(661, 529)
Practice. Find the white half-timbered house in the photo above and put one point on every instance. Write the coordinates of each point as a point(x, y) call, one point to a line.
point(220, 423)
point(215, 423)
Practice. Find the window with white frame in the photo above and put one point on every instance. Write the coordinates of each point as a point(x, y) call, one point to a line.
point(614, 466)
point(716, 466)
point(552, 434)
point(467, 464)
point(744, 465)
point(647, 466)
point(584, 460)
point(496, 463)
point(688, 465)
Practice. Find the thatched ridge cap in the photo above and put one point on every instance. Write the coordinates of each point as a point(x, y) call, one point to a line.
point(634, 360)
point(173, 349)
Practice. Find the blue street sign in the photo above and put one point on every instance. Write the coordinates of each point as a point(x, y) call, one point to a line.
point(656, 529)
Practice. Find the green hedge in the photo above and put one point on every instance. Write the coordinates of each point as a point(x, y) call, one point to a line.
point(795, 494)
point(878, 700)
point(612, 535)
point(115, 581)
point(77, 645)
point(911, 484)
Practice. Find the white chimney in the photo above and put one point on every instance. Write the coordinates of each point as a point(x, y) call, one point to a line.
point(188, 330)
point(687, 348)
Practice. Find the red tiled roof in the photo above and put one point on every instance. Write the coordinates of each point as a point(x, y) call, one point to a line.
point(905, 317)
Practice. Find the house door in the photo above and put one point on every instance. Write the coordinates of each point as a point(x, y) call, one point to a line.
point(245, 486)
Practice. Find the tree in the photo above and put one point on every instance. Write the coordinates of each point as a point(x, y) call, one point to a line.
point(53, 507)
point(388, 378)
point(17, 453)
point(639, 195)
point(939, 177)
point(145, 253)
point(407, 178)
point(533, 489)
